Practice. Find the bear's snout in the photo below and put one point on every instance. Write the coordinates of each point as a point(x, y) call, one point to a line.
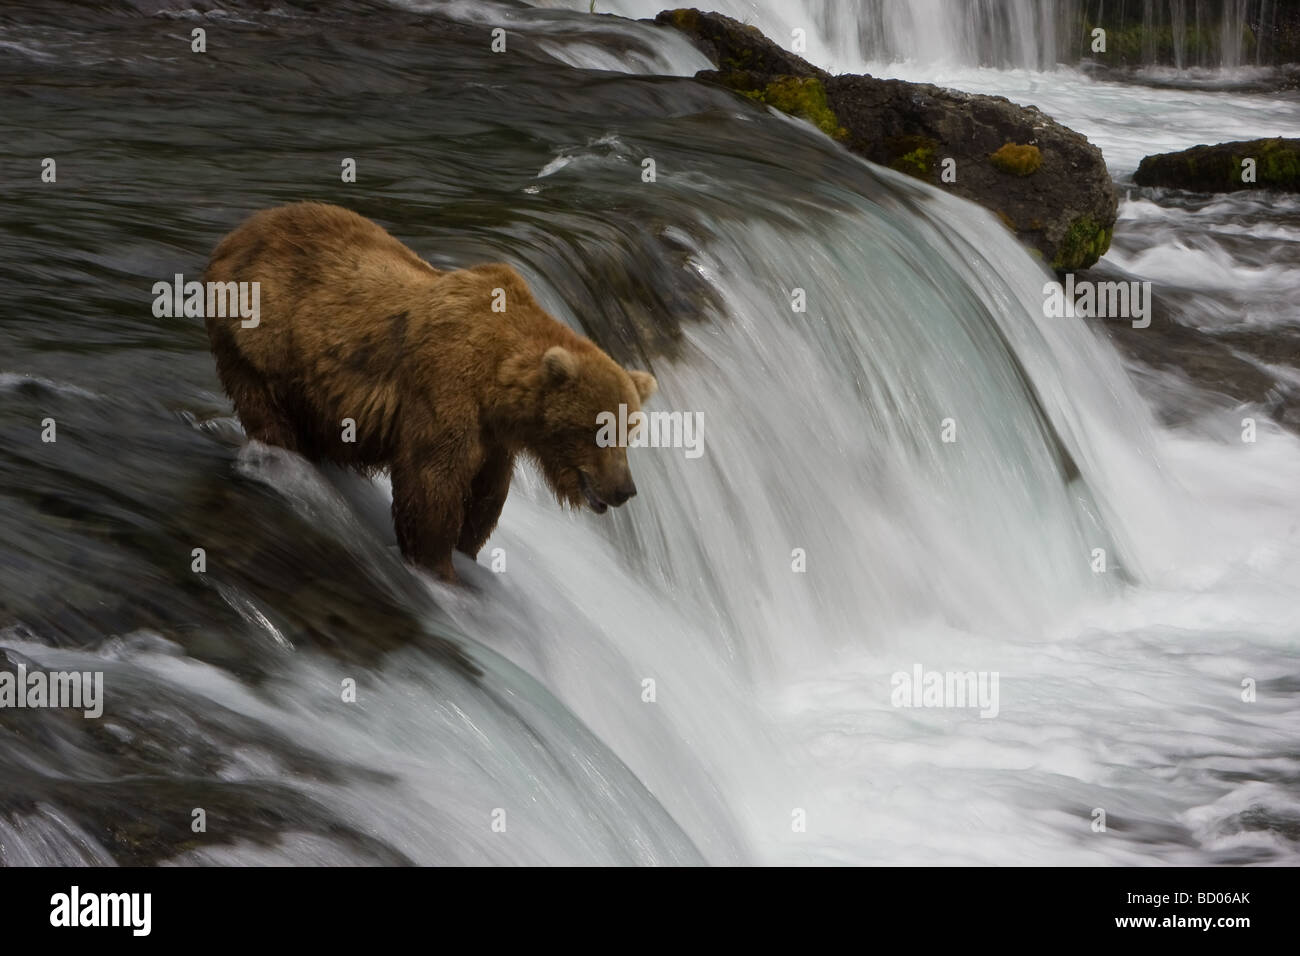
point(601, 494)
point(623, 492)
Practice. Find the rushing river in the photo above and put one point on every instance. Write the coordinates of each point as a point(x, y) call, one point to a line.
point(705, 675)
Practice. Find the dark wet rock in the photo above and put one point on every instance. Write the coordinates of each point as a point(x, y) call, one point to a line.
point(1056, 194)
point(1223, 168)
point(733, 45)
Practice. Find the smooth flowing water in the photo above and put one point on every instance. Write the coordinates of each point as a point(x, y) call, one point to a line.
point(827, 538)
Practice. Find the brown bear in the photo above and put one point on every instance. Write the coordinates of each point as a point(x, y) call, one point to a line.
point(446, 376)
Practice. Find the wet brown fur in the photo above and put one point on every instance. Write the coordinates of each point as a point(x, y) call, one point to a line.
point(444, 391)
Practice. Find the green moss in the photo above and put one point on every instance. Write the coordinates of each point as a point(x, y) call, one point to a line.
point(1085, 242)
point(1017, 160)
point(685, 18)
point(913, 155)
point(804, 97)
point(1277, 165)
point(741, 61)
point(1216, 168)
point(917, 163)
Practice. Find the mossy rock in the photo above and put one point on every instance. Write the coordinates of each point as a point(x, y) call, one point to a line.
point(683, 18)
point(1217, 169)
point(1085, 242)
point(742, 60)
point(1278, 164)
point(1017, 160)
point(732, 45)
point(913, 155)
point(804, 97)
point(918, 129)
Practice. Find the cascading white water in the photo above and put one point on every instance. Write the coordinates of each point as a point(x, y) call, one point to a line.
point(999, 32)
point(823, 434)
point(968, 560)
point(1028, 34)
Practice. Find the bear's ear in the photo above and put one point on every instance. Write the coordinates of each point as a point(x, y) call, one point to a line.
point(645, 384)
point(559, 365)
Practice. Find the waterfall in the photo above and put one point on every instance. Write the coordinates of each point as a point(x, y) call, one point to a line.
point(1026, 34)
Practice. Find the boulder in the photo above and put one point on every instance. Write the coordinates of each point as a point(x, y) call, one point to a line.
point(1045, 182)
point(1223, 168)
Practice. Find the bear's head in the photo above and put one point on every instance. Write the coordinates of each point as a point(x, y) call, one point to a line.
point(579, 388)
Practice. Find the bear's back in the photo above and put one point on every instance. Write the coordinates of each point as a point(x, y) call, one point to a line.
point(327, 279)
point(353, 324)
point(291, 248)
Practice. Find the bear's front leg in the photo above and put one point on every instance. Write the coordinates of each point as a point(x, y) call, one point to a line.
point(487, 493)
point(429, 500)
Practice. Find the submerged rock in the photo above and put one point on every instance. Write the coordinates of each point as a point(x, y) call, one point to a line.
point(1046, 183)
point(1256, 164)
